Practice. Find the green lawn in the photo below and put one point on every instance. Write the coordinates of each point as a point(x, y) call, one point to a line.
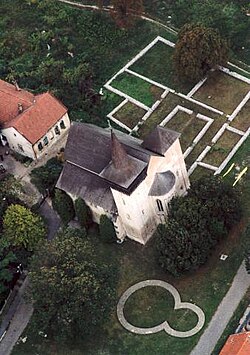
point(137, 88)
point(138, 263)
point(188, 125)
point(157, 65)
point(222, 91)
point(130, 114)
point(222, 148)
point(242, 120)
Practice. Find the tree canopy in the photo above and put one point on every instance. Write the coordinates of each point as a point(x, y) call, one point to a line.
point(64, 206)
point(124, 11)
point(73, 292)
point(196, 223)
point(198, 49)
point(21, 227)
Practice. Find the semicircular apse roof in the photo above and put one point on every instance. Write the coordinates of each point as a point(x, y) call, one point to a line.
point(162, 184)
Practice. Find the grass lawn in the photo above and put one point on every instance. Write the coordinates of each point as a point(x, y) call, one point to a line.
point(137, 88)
point(242, 120)
point(130, 114)
point(188, 125)
point(199, 172)
point(157, 65)
point(222, 91)
point(222, 148)
point(138, 263)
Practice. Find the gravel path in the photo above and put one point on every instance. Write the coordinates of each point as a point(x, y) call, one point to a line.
point(226, 309)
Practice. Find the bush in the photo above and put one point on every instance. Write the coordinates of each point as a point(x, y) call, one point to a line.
point(196, 223)
point(45, 177)
point(64, 206)
point(107, 230)
point(83, 213)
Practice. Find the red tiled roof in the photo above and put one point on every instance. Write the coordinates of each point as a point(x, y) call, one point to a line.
point(10, 97)
point(40, 112)
point(237, 344)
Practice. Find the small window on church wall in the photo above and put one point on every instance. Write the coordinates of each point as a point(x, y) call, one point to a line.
point(160, 206)
point(123, 202)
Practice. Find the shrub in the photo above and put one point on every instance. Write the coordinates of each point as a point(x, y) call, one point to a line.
point(107, 230)
point(45, 177)
point(64, 206)
point(83, 213)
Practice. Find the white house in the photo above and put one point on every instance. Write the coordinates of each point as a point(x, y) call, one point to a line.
point(30, 124)
point(129, 180)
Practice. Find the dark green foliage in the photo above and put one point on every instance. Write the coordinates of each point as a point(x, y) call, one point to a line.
point(76, 290)
point(107, 230)
point(123, 11)
point(83, 213)
point(228, 17)
point(6, 257)
point(81, 56)
point(198, 50)
point(45, 177)
point(64, 206)
point(196, 223)
point(247, 250)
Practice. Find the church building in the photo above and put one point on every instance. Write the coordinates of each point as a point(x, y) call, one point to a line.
point(129, 180)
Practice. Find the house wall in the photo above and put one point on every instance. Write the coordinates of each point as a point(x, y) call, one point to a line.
point(18, 143)
point(21, 145)
point(52, 136)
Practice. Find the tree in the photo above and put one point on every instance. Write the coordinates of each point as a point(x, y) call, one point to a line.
point(73, 292)
point(198, 50)
point(247, 250)
point(196, 223)
point(83, 213)
point(21, 227)
point(107, 230)
point(124, 12)
point(45, 177)
point(64, 206)
point(6, 257)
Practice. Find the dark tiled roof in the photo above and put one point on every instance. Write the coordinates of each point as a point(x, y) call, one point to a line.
point(162, 184)
point(89, 187)
point(160, 140)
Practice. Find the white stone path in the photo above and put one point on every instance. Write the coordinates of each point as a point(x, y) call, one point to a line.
point(225, 311)
point(163, 326)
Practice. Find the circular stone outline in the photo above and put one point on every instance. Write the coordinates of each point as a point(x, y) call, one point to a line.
point(163, 326)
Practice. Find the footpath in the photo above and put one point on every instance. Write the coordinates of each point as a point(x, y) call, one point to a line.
point(225, 311)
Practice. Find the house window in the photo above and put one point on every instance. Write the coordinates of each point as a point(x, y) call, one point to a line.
point(57, 131)
point(159, 206)
point(40, 146)
point(20, 147)
point(15, 134)
point(45, 140)
point(62, 124)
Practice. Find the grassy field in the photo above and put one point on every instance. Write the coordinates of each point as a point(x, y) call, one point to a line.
point(222, 148)
point(157, 65)
point(222, 91)
point(242, 120)
point(137, 88)
point(130, 114)
point(138, 263)
point(188, 125)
